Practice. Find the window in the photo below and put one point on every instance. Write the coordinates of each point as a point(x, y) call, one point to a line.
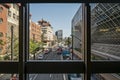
point(1, 9)
point(14, 5)
point(0, 49)
point(1, 20)
point(14, 15)
point(86, 66)
point(1, 34)
point(9, 13)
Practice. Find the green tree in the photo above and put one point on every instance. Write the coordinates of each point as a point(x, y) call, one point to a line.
point(1, 42)
point(34, 47)
point(68, 41)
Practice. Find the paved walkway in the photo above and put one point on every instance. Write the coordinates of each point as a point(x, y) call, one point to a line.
point(5, 77)
point(78, 54)
point(109, 77)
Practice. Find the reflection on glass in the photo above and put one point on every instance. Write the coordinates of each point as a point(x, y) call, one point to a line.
point(9, 77)
point(105, 31)
point(106, 76)
point(77, 33)
point(9, 25)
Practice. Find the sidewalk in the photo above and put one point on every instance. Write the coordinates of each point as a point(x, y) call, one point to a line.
point(109, 77)
point(5, 77)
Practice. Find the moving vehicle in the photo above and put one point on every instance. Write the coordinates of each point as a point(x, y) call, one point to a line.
point(66, 54)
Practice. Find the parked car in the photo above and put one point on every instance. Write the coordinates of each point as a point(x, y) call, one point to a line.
point(74, 77)
point(46, 51)
point(50, 50)
point(40, 56)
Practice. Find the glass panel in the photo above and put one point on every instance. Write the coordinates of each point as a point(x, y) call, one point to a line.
point(72, 76)
point(9, 77)
point(77, 33)
point(106, 76)
point(9, 28)
point(50, 31)
point(105, 34)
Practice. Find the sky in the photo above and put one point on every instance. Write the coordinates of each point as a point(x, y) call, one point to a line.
point(58, 15)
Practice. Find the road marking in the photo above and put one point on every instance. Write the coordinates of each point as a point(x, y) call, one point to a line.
point(61, 57)
point(30, 78)
point(64, 78)
point(35, 77)
point(50, 75)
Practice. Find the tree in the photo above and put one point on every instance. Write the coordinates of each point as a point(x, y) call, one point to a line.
point(1, 42)
point(68, 41)
point(34, 47)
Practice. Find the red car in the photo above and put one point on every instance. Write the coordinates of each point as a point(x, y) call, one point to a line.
point(59, 51)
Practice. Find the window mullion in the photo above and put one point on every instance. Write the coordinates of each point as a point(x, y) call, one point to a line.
point(22, 42)
point(86, 40)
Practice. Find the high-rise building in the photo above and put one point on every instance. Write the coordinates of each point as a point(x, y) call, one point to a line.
point(59, 35)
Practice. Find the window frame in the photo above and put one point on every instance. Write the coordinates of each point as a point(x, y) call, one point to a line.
point(23, 67)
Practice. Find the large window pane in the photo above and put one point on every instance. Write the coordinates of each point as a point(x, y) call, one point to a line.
point(50, 32)
point(105, 43)
point(77, 33)
point(9, 28)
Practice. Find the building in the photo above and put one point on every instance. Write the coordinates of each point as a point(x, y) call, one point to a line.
point(104, 22)
point(47, 33)
point(59, 35)
point(54, 40)
point(76, 29)
point(105, 29)
point(3, 27)
point(35, 31)
point(105, 32)
point(12, 29)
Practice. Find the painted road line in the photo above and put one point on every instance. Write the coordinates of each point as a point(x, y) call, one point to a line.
point(64, 78)
point(35, 77)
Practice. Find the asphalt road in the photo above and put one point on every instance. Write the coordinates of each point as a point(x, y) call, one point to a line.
point(49, 56)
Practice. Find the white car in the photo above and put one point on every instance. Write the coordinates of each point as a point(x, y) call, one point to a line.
point(40, 56)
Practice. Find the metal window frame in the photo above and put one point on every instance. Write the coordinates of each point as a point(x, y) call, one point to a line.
point(23, 67)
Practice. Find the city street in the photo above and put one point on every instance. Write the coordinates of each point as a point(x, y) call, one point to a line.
point(49, 56)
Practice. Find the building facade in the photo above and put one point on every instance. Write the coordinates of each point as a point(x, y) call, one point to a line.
point(105, 29)
point(3, 27)
point(47, 33)
point(35, 32)
point(76, 29)
point(13, 29)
